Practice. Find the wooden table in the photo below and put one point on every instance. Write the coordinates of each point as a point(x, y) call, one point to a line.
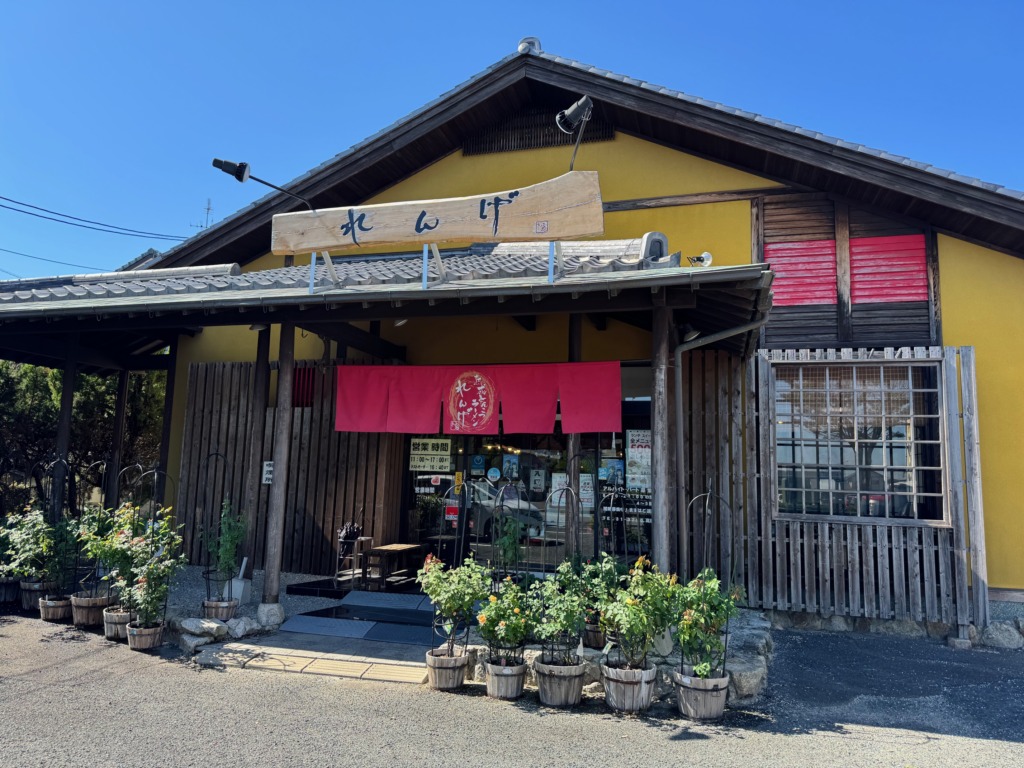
point(385, 557)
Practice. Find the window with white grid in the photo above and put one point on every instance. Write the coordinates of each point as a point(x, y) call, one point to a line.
point(859, 440)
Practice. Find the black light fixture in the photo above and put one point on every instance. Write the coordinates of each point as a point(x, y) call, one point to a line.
point(241, 173)
point(704, 260)
point(689, 333)
point(576, 116)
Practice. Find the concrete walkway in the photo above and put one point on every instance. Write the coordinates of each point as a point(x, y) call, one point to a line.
point(321, 655)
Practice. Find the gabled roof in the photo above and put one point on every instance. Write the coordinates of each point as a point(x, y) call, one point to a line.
point(948, 201)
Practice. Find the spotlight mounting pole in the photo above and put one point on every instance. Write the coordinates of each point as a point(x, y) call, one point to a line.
point(241, 172)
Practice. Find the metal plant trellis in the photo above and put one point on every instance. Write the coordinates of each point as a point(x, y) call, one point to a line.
point(218, 587)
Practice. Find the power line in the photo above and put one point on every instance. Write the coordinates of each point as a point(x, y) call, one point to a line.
point(52, 261)
point(8, 272)
point(114, 230)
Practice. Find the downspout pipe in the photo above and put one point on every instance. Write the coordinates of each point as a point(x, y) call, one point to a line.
point(686, 346)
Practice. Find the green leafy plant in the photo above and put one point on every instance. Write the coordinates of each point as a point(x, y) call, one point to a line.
point(506, 545)
point(6, 569)
point(601, 579)
point(224, 547)
point(642, 608)
point(30, 538)
point(559, 606)
point(429, 507)
point(454, 591)
point(704, 609)
point(505, 622)
point(155, 558)
point(113, 542)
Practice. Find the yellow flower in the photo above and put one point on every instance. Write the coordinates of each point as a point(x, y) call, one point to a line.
point(516, 611)
point(501, 623)
point(508, 578)
point(493, 599)
point(482, 619)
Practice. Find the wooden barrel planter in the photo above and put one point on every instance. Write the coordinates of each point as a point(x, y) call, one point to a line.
point(55, 608)
point(629, 690)
point(9, 589)
point(593, 637)
point(86, 610)
point(446, 673)
point(219, 609)
point(701, 699)
point(504, 681)
point(31, 591)
point(115, 623)
point(145, 638)
point(559, 686)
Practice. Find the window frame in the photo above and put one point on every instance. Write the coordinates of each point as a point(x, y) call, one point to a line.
point(806, 359)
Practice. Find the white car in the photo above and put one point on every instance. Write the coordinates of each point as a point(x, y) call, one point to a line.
point(487, 502)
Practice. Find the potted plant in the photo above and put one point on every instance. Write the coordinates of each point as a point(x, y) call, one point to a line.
point(601, 578)
point(221, 602)
point(8, 578)
point(454, 593)
point(60, 558)
point(559, 605)
point(30, 537)
point(639, 611)
point(156, 557)
point(505, 622)
point(704, 610)
point(115, 548)
point(87, 604)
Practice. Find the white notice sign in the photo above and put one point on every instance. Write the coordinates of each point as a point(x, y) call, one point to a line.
point(268, 472)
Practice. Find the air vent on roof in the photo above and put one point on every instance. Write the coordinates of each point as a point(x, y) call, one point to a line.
point(532, 129)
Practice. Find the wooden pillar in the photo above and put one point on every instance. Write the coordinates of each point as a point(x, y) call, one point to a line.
point(165, 433)
point(110, 492)
point(662, 495)
point(282, 447)
point(574, 456)
point(58, 489)
point(254, 464)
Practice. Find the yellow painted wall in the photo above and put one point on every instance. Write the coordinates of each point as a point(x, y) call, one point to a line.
point(982, 307)
point(629, 168)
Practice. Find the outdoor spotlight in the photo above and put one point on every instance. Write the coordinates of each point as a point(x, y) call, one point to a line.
point(569, 119)
point(690, 333)
point(401, 321)
point(258, 327)
point(704, 260)
point(241, 172)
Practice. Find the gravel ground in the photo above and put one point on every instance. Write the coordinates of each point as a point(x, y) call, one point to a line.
point(188, 590)
point(70, 698)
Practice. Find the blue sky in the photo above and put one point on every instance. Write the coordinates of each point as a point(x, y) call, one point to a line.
point(111, 112)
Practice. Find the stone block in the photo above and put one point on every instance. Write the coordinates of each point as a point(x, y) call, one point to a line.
point(214, 628)
point(747, 676)
point(1002, 634)
point(958, 644)
point(270, 615)
point(190, 643)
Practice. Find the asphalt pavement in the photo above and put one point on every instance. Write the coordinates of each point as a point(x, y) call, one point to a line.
point(71, 698)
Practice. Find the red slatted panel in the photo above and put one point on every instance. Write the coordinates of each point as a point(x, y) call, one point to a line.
point(805, 272)
point(302, 387)
point(888, 269)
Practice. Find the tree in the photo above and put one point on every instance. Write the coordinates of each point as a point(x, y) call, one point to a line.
point(29, 410)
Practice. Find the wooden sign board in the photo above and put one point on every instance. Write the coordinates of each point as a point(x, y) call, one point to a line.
point(562, 208)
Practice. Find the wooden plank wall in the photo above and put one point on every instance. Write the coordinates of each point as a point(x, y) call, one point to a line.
point(863, 570)
point(333, 477)
point(717, 414)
